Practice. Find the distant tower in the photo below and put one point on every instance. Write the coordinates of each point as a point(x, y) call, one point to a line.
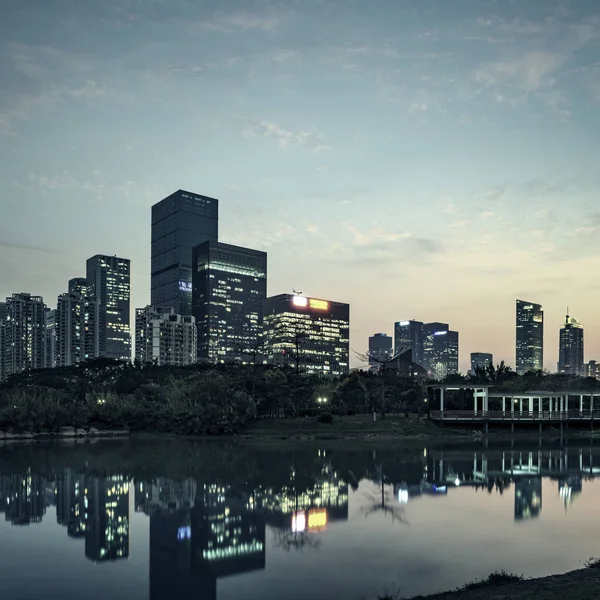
point(380, 349)
point(529, 337)
point(570, 348)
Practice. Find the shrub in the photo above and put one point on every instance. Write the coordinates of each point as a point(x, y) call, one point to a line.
point(325, 418)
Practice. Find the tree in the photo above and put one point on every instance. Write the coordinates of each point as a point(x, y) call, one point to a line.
point(380, 388)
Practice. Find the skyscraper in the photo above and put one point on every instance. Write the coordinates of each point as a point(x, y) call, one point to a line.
point(309, 334)
point(440, 352)
point(24, 333)
point(409, 334)
point(179, 223)
point(163, 337)
point(570, 348)
point(50, 338)
point(2, 335)
point(481, 360)
point(530, 337)
point(229, 288)
point(108, 282)
point(69, 330)
point(380, 349)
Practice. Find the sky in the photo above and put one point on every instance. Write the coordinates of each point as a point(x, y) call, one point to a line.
point(418, 159)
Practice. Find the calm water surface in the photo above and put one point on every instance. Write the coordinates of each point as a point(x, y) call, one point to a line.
point(164, 520)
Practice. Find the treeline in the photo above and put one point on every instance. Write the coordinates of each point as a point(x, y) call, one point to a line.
point(193, 400)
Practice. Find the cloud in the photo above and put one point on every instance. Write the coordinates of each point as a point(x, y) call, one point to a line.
point(28, 247)
point(243, 20)
point(375, 235)
point(285, 137)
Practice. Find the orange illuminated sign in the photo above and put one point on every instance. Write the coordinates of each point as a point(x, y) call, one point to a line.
point(318, 304)
point(317, 519)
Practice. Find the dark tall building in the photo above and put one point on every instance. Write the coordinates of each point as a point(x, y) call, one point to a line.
point(310, 334)
point(440, 352)
point(50, 338)
point(108, 283)
point(530, 337)
point(229, 288)
point(179, 223)
point(24, 503)
point(24, 334)
point(380, 349)
point(409, 334)
point(481, 360)
point(570, 348)
point(69, 330)
point(591, 369)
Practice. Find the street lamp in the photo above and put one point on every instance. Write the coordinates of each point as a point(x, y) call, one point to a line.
point(321, 400)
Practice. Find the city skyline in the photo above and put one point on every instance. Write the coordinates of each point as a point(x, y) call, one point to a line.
point(451, 145)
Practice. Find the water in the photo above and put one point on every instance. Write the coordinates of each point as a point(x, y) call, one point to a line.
point(163, 520)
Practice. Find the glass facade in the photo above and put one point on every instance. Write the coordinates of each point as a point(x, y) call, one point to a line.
point(108, 282)
point(481, 360)
point(229, 288)
point(440, 351)
point(570, 350)
point(530, 337)
point(409, 334)
point(309, 334)
point(179, 223)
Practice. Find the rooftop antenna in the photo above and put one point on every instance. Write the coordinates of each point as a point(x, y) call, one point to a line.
point(297, 293)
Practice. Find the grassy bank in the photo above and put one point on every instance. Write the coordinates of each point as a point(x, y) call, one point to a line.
point(582, 584)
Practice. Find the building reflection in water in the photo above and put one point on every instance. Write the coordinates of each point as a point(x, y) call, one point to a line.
point(23, 498)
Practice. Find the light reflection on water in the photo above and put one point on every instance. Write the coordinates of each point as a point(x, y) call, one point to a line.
point(139, 520)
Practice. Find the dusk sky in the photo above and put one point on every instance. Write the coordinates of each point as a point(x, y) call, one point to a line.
point(417, 159)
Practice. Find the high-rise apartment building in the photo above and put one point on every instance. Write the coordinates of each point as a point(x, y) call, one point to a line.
point(2, 334)
point(570, 348)
point(310, 334)
point(481, 360)
point(70, 329)
point(409, 334)
point(165, 338)
point(592, 370)
point(380, 350)
point(229, 288)
point(24, 334)
point(530, 337)
point(440, 350)
point(179, 223)
point(108, 283)
point(50, 338)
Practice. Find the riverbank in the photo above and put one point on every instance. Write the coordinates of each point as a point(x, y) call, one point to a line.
point(582, 584)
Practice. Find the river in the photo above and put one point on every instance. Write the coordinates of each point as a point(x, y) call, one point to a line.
point(161, 520)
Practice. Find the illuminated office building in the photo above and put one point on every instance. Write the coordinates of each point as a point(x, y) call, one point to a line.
point(164, 338)
point(481, 360)
point(2, 334)
point(229, 288)
point(107, 522)
point(179, 223)
point(530, 337)
point(591, 369)
point(310, 334)
point(24, 334)
point(570, 348)
point(69, 330)
point(108, 282)
point(380, 349)
point(409, 334)
point(440, 350)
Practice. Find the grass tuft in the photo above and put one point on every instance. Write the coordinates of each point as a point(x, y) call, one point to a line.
point(493, 579)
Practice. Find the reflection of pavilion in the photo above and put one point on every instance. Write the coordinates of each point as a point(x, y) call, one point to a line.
point(528, 498)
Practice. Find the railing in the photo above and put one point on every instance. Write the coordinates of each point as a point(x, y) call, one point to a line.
point(498, 415)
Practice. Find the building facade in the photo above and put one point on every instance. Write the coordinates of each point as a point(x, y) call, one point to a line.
point(24, 334)
point(108, 283)
point(69, 330)
point(2, 335)
point(529, 337)
point(165, 338)
point(50, 338)
point(440, 350)
point(229, 288)
point(179, 223)
point(310, 335)
point(481, 360)
point(570, 348)
point(380, 350)
point(409, 334)
point(591, 369)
